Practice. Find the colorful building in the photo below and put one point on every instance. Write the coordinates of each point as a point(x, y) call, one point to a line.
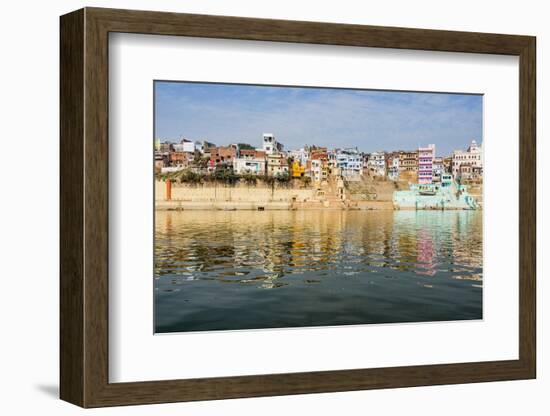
point(426, 157)
point(464, 162)
point(420, 166)
point(297, 170)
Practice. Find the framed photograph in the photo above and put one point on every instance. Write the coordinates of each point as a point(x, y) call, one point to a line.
point(254, 207)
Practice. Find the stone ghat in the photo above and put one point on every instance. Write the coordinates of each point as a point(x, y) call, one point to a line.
point(179, 205)
point(176, 205)
point(233, 194)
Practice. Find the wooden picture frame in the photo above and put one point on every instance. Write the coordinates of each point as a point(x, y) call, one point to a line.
point(84, 207)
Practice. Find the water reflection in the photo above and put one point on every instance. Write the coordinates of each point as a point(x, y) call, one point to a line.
point(243, 269)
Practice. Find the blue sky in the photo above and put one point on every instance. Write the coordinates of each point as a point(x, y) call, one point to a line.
point(370, 120)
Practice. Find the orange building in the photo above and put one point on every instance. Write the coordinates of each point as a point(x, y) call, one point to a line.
point(252, 154)
point(297, 170)
point(222, 155)
point(179, 159)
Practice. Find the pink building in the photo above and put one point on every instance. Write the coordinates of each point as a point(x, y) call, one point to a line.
point(426, 157)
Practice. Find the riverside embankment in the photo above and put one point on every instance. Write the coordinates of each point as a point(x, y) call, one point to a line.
point(213, 196)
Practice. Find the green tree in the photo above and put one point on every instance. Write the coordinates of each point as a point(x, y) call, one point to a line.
point(245, 146)
point(306, 180)
point(283, 178)
point(190, 177)
point(249, 178)
point(225, 175)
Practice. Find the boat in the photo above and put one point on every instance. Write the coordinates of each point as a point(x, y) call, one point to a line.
point(446, 194)
point(429, 192)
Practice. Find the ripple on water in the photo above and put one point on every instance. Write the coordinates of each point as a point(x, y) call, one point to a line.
point(315, 268)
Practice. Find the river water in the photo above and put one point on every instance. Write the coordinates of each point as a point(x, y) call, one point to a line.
point(227, 270)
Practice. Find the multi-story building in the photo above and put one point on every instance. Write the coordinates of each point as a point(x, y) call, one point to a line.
point(366, 171)
point(472, 157)
point(222, 156)
point(332, 164)
point(207, 152)
point(377, 164)
point(179, 159)
point(318, 169)
point(318, 153)
point(161, 161)
point(297, 170)
point(448, 164)
point(199, 146)
point(349, 162)
point(162, 154)
point(408, 165)
point(254, 166)
point(469, 172)
point(438, 169)
point(277, 164)
point(317, 166)
point(204, 147)
point(300, 155)
point(271, 146)
point(419, 166)
point(165, 147)
point(251, 154)
point(392, 165)
point(425, 164)
point(477, 173)
point(185, 146)
point(250, 161)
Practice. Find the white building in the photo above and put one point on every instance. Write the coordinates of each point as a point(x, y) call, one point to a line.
point(199, 146)
point(377, 163)
point(300, 155)
point(271, 146)
point(171, 169)
point(318, 170)
point(185, 145)
point(189, 147)
point(349, 162)
point(472, 157)
point(247, 165)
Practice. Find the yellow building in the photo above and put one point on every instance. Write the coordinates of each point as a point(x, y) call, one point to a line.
point(297, 170)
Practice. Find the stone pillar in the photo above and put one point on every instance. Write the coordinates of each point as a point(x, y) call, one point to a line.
point(168, 193)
